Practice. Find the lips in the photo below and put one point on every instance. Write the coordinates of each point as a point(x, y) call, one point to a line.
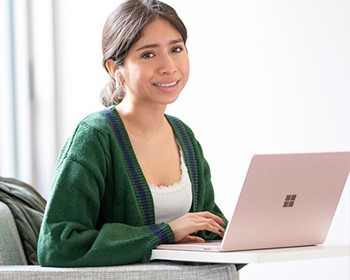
point(166, 85)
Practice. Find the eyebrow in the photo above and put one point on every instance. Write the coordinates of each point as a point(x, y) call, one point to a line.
point(150, 46)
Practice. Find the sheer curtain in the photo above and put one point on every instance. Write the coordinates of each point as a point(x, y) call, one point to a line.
point(27, 102)
point(8, 136)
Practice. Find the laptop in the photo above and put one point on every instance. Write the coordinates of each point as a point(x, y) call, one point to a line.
point(287, 200)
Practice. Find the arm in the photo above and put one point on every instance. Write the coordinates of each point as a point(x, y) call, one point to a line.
point(206, 220)
point(208, 225)
point(207, 203)
point(78, 228)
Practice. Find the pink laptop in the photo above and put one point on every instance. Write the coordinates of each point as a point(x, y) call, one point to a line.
point(287, 200)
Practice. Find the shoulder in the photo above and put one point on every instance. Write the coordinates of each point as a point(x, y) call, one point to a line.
point(91, 134)
point(98, 124)
point(180, 126)
point(97, 121)
point(185, 134)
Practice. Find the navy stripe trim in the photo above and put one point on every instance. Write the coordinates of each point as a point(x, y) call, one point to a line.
point(190, 157)
point(163, 237)
point(135, 177)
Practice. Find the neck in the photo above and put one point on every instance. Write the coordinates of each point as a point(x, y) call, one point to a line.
point(141, 118)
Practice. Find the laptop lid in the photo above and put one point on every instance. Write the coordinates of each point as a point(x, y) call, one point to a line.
point(287, 200)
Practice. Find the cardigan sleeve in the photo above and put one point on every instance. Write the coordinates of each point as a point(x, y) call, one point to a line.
point(206, 195)
point(76, 231)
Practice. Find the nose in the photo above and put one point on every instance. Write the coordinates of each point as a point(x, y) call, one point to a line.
point(167, 65)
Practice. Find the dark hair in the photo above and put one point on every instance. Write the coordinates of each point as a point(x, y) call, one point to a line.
point(123, 29)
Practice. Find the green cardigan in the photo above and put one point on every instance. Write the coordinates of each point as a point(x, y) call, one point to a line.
point(100, 211)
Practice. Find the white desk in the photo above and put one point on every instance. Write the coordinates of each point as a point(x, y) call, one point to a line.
point(257, 256)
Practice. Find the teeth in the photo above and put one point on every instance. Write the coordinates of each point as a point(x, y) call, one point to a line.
point(166, 85)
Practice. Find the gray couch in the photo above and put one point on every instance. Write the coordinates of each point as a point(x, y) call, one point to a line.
point(13, 263)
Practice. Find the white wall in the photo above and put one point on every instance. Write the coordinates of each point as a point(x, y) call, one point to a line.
point(266, 77)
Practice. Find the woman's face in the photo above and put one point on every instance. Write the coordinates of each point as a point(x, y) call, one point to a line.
point(156, 68)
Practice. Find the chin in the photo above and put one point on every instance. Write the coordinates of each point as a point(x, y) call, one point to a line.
point(172, 100)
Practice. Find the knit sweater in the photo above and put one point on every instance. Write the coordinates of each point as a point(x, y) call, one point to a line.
point(100, 211)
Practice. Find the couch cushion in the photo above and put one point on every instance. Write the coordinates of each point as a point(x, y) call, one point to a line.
point(27, 207)
point(11, 250)
point(152, 271)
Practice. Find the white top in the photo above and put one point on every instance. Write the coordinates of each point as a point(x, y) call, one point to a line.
point(171, 202)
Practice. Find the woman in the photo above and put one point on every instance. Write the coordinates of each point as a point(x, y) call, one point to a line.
point(131, 177)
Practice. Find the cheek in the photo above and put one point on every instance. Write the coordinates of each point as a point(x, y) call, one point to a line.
point(185, 68)
point(133, 76)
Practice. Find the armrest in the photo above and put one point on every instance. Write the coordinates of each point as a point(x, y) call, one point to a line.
point(11, 250)
point(151, 271)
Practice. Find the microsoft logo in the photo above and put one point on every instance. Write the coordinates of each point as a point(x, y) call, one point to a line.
point(289, 201)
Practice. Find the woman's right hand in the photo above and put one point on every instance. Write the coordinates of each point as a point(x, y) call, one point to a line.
point(187, 225)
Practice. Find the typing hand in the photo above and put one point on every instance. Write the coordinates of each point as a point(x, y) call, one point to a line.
point(190, 223)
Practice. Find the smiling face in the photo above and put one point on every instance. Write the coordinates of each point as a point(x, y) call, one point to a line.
point(156, 68)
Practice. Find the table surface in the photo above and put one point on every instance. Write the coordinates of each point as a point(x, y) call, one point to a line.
point(254, 256)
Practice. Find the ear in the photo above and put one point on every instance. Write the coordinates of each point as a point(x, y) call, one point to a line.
point(111, 67)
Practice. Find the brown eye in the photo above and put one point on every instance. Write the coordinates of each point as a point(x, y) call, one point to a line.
point(177, 49)
point(148, 55)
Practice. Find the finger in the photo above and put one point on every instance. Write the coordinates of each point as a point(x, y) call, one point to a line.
point(207, 214)
point(210, 225)
point(199, 219)
point(213, 223)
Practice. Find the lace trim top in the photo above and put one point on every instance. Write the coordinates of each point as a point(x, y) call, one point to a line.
point(171, 202)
